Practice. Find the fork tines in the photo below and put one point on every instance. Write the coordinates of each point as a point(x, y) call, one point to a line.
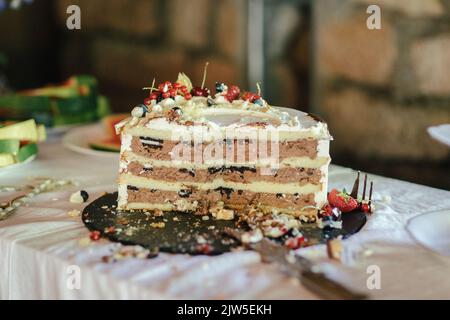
point(355, 189)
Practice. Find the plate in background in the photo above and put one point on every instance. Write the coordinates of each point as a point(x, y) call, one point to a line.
point(78, 140)
point(16, 165)
point(432, 230)
point(60, 130)
point(441, 133)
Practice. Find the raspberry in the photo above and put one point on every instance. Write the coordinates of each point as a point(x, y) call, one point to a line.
point(233, 93)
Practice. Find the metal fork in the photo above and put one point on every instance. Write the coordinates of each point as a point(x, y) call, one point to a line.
point(355, 189)
point(299, 267)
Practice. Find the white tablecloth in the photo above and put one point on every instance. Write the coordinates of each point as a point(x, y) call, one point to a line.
point(40, 242)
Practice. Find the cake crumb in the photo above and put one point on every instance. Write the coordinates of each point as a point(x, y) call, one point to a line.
point(80, 196)
point(158, 225)
point(220, 213)
point(223, 214)
point(74, 213)
point(334, 249)
point(84, 242)
point(158, 213)
point(252, 236)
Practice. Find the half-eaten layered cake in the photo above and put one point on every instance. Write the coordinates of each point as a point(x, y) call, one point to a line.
point(190, 149)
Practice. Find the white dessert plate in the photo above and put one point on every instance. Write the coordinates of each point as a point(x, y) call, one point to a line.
point(441, 133)
point(60, 130)
point(78, 140)
point(432, 230)
point(16, 165)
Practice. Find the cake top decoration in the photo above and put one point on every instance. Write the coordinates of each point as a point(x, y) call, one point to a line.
point(183, 103)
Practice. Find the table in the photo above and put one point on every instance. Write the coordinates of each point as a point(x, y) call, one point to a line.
point(41, 244)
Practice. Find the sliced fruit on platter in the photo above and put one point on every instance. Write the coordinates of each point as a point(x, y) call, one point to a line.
point(112, 142)
point(6, 159)
point(41, 132)
point(10, 146)
point(110, 145)
point(81, 85)
point(27, 151)
point(18, 141)
point(109, 123)
point(75, 101)
point(26, 130)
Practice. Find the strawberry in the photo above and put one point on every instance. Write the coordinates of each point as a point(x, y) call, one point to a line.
point(342, 200)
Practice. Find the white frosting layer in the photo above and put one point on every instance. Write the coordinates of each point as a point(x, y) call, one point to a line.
point(208, 119)
point(162, 128)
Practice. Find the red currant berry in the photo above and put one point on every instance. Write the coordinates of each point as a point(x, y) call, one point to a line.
point(95, 235)
point(365, 207)
point(184, 89)
point(188, 96)
point(173, 92)
point(166, 94)
point(148, 101)
point(161, 87)
point(154, 95)
point(176, 85)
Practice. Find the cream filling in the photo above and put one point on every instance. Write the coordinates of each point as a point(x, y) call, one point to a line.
point(258, 187)
point(295, 162)
point(122, 197)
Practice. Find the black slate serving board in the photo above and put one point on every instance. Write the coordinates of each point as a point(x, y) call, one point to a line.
point(182, 231)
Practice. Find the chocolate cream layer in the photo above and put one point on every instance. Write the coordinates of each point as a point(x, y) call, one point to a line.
point(167, 149)
point(231, 198)
point(227, 173)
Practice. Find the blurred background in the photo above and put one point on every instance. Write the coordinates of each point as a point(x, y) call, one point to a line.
point(378, 90)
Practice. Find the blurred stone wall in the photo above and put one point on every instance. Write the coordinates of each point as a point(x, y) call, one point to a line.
point(379, 90)
point(127, 43)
